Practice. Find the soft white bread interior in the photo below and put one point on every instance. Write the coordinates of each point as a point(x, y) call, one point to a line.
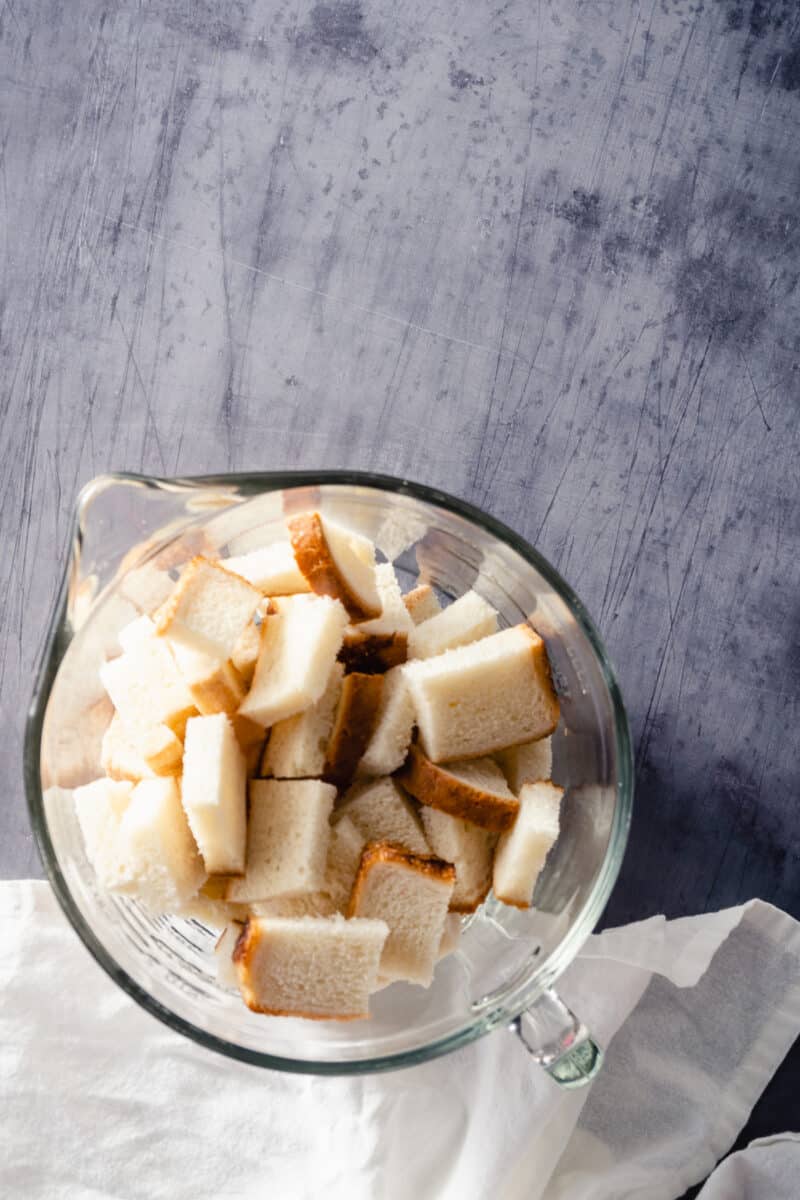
point(528, 763)
point(119, 758)
point(158, 846)
point(474, 789)
point(158, 746)
point(482, 697)
point(287, 839)
point(135, 632)
point(422, 603)
point(344, 858)
point(394, 724)
point(336, 562)
point(147, 689)
point(318, 967)
point(394, 617)
point(214, 793)
point(382, 813)
point(466, 620)
point(208, 609)
point(246, 651)
point(272, 569)
point(296, 746)
point(356, 713)
point(411, 893)
point(214, 683)
point(469, 848)
point(100, 807)
point(299, 644)
point(313, 904)
point(521, 853)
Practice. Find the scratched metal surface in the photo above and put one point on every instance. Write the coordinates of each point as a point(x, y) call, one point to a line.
point(545, 256)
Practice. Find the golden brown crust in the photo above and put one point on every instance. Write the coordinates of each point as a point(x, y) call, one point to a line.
point(373, 653)
point(356, 714)
point(317, 565)
point(511, 903)
point(381, 853)
point(248, 733)
point(221, 691)
point(434, 785)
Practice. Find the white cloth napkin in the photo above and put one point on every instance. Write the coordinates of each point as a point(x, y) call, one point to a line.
point(99, 1100)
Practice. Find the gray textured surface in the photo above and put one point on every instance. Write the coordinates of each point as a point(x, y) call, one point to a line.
point(542, 255)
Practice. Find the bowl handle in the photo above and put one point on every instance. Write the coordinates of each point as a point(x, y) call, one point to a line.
point(559, 1041)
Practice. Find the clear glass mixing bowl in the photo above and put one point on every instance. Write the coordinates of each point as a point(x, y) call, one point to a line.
point(131, 535)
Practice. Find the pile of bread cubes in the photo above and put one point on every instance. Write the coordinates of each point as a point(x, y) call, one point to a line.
point(329, 771)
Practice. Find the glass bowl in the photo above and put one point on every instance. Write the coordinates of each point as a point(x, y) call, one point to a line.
point(130, 537)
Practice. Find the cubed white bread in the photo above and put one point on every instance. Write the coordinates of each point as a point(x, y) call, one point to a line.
point(119, 758)
point(473, 789)
point(158, 846)
point(214, 793)
point(227, 975)
point(160, 748)
point(135, 632)
point(100, 807)
point(483, 697)
point(344, 859)
point(322, 968)
point(469, 848)
point(314, 904)
point(528, 763)
point(394, 616)
point(296, 747)
point(246, 651)
point(521, 853)
point(208, 609)
point(382, 813)
point(146, 687)
point(273, 570)
point(465, 620)
point(411, 893)
point(451, 935)
point(299, 644)
point(422, 603)
point(336, 562)
point(287, 839)
point(394, 724)
point(214, 683)
point(356, 714)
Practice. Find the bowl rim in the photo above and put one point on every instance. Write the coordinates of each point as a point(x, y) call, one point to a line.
point(248, 484)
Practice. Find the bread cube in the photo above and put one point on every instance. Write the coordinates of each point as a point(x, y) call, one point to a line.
point(530, 762)
point(299, 644)
point(483, 697)
point(473, 789)
point(337, 563)
point(382, 813)
point(465, 620)
point(272, 569)
point(388, 746)
point(287, 839)
point(209, 609)
point(411, 893)
point(214, 793)
point(521, 853)
point(321, 968)
point(296, 746)
point(158, 847)
point(469, 848)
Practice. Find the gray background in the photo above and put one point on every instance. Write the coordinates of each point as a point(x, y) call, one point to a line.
point(543, 255)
